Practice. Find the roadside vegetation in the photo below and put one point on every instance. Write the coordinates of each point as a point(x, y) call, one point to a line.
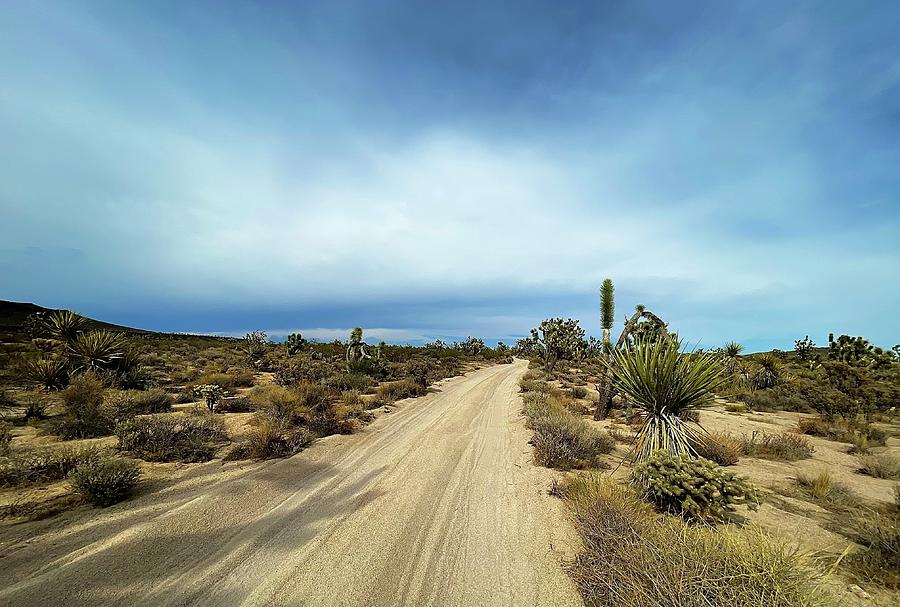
point(87, 404)
point(714, 461)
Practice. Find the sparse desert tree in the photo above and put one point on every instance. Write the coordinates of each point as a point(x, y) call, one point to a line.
point(665, 384)
point(560, 339)
point(295, 344)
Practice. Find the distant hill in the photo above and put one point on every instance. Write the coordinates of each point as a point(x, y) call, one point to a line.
point(14, 313)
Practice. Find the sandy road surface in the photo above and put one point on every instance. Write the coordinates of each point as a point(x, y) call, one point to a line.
point(436, 503)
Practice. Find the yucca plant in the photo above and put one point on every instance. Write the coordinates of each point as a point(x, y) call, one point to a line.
point(95, 350)
point(731, 353)
point(767, 375)
point(665, 384)
point(48, 373)
point(65, 326)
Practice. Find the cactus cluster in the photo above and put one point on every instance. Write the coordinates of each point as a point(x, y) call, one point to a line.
point(255, 345)
point(211, 393)
point(295, 344)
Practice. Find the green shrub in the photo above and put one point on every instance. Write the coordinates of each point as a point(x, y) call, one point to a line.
point(736, 408)
point(579, 392)
point(281, 404)
point(106, 481)
point(720, 448)
point(301, 369)
point(237, 404)
point(85, 415)
point(884, 465)
point(631, 558)
point(786, 446)
point(350, 381)
point(5, 438)
point(692, 487)
point(43, 465)
point(397, 390)
point(167, 438)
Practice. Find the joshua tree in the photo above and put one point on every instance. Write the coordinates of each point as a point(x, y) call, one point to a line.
point(254, 346)
point(560, 339)
point(295, 343)
point(502, 348)
point(605, 388)
point(804, 348)
point(472, 346)
point(356, 347)
point(665, 384)
point(858, 352)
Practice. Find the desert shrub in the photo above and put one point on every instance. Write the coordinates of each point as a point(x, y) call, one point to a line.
point(736, 408)
point(720, 448)
point(579, 392)
point(779, 398)
point(105, 481)
point(631, 558)
point(397, 390)
point(32, 466)
point(692, 487)
point(5, 438)
point(301, 369)
point(843, 430)
point(271, 439)
point(879, 534)
point(167, 438)
point(562, 440)
point(373, 367)
point(137, 402)
point(884, 465)
point(565, 441)
point(238, 378)
point(419, 370)
point(786, 446)
point(281, 404)
point(85, 415)
point(236, 404)
point(350, 381)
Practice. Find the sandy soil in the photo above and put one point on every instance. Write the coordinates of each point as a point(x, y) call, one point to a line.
point(435, 503)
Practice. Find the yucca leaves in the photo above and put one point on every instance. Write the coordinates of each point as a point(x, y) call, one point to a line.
point(48, 373)
point(664, 382)
point(65, 325)
point(96, 349)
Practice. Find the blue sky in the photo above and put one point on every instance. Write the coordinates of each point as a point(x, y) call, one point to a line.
point(426, 170)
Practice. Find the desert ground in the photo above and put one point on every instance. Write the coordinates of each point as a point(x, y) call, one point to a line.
point(435, 503)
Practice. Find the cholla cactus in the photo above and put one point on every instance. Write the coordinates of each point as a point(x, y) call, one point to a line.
point(212, 393)
point(560, 338)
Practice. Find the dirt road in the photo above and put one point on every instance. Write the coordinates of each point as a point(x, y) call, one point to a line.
point(435, 503)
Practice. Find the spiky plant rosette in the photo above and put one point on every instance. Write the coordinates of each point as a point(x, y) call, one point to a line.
point(665, 382)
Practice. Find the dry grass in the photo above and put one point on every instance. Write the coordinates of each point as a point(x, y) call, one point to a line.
point(720, 448)
point(633, 558)
point(884, 465)
point(562, 440)
point(787, 446)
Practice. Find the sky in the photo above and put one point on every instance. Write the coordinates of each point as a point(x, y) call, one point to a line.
point(450, 169)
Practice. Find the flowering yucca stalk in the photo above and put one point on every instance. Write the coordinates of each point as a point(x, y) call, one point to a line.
point(664, 383)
